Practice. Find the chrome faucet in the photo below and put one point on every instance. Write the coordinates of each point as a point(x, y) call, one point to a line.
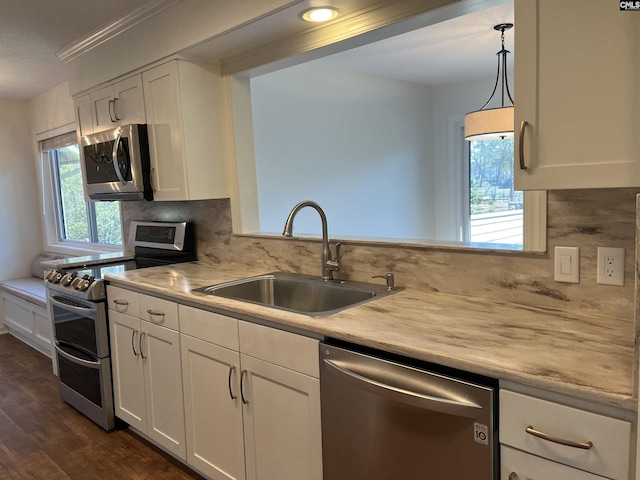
point(328, 264)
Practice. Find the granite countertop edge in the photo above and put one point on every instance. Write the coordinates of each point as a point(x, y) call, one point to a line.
point(563, 351)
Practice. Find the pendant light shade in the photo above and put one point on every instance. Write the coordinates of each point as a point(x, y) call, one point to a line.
point(489, 124)
point(493, 123)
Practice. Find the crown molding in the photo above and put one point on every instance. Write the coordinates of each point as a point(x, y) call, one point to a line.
point(113, 28)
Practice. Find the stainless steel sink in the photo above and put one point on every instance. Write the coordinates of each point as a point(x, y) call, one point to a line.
point(299, 293)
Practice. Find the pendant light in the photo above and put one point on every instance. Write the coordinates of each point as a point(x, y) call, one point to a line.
point(494, 123)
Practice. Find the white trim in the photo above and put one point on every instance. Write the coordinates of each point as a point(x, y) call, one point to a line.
point(114, 28)
point(54, 132)
point(535, 221)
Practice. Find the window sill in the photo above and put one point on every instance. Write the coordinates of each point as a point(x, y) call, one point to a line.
point(74, 250)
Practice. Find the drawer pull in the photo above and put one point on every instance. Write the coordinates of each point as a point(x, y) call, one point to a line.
point(120, 302)
point(156, 313)
point(583, 445)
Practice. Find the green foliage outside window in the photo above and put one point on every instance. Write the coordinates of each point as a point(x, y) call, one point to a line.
point(79, 218)
point(491, 177)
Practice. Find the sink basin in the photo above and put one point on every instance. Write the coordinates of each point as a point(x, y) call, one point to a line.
point(299, 293)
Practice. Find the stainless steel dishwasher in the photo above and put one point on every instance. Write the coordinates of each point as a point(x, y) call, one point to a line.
point(388, 419)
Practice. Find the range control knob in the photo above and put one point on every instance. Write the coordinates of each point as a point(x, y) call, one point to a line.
point(84, 284)
point(67, 279)
point(56, 276)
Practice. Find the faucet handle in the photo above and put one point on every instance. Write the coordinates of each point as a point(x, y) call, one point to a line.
point(389, 277)
point(334, 265)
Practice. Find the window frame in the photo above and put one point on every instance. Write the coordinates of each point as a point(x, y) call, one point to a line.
point(535, 201)
point(50, 205)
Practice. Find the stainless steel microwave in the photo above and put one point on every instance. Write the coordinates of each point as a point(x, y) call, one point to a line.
point(116, 164)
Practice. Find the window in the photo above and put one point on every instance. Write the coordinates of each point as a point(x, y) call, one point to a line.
point(75, 223)
point(495, 208)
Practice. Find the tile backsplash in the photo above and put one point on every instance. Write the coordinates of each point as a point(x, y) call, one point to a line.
point(576, 218)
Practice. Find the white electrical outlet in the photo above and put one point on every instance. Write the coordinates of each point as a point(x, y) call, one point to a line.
point(610, 266)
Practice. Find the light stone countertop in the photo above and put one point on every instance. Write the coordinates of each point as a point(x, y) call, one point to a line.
point(582, 354)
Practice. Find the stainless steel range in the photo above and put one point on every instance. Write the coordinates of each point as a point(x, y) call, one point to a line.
point(76, 301)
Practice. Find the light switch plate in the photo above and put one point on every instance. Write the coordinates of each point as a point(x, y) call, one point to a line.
point(566, 264)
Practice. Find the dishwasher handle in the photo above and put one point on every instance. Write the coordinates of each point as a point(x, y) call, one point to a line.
point(381, 387)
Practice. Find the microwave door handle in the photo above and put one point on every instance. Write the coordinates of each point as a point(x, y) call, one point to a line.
point(115, 156)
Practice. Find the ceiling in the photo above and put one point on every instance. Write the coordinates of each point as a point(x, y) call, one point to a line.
point(32, 31)
point(452, 51)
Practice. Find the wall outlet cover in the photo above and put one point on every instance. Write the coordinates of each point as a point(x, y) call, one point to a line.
point(610, 266)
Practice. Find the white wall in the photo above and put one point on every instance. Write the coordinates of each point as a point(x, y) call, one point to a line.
point(20, 230)
point(358, 145)
point(450, 104)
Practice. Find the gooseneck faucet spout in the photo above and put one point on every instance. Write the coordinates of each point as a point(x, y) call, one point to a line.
point(328, 264)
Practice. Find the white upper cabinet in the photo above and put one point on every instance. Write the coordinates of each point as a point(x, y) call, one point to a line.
point(117, 104)
point(84, 122)
point(184, 116)
point(577, 71)
point(181, 103)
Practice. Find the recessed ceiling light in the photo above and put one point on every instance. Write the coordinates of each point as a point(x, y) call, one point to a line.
point(318, 15)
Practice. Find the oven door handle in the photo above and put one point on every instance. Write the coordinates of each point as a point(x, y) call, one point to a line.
point(86, 311)
point(76, 360)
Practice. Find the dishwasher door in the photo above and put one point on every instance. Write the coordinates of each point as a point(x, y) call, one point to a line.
point(383, 420)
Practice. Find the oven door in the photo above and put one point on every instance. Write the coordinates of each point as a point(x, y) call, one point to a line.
point(79, 323)
point(85, 383)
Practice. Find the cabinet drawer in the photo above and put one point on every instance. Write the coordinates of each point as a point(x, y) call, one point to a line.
point(123, 301)
point(159, 311)
point(286, 349)
point(530, 467)
point(609, 455)
point(209, 326)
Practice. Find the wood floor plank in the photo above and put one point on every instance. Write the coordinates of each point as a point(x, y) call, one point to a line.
point(43, 438)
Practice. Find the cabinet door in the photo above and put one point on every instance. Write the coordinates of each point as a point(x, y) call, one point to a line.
point(518, 465)
point(164, 119)
point(577, 71)
point(101, 108)
point(213, 408)
point(128, 106)
point(127, 370)
point(281, 422)
point(84, 121)
point(163, 387)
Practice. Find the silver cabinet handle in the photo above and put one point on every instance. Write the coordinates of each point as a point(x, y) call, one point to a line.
point(232, 369)
point(155, 313)
point(124, 303)
point(549, 438)
point(242, 375)
point(381, 386)
point(523, 125)
point(133, 347)
point(115, 114)
point(142, 334)
point(109, 107)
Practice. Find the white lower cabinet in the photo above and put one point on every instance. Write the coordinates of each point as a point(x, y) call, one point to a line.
point(518, 465)
point(252, 399)
point(543, 440)
point(213, 409)
point(147, 376)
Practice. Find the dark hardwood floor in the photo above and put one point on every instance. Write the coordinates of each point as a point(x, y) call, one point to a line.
point(43, 438)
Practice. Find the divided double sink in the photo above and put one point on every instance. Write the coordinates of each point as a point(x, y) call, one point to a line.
point(298, 293)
